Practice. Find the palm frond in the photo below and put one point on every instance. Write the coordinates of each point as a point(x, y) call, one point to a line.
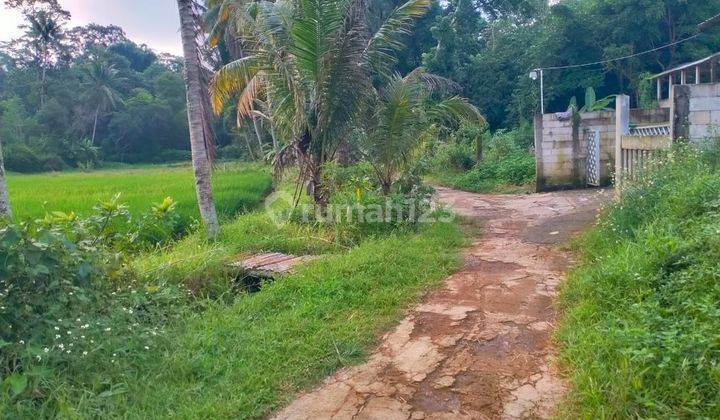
point(231, 79)
point(389, 38)
point(247, 98)
point(433, 82)
point(456, 109)
point(314, 32)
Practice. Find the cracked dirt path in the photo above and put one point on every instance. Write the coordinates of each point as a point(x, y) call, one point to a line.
point(480, 346)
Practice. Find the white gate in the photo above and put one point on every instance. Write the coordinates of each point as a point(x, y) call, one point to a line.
point(593, 158)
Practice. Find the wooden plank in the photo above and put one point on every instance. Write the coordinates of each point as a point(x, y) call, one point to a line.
point(270, 265)
point(646, 143)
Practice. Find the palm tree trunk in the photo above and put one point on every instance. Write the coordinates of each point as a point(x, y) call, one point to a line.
point(343, 152)
point(276, 145)
point(5, 210)
point(43, 76)
point(249, 147)
point(97, 113)
point(193, 80)
point(258, 132)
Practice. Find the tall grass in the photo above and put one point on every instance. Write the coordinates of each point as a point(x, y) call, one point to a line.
point(236, 187)
point(641, 330)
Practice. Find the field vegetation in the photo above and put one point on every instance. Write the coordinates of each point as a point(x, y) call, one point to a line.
point(640, 330)
point(476, 161)
point(146, 339)
point(237, 187)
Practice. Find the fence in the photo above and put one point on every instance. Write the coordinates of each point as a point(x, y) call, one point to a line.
point(636, 146)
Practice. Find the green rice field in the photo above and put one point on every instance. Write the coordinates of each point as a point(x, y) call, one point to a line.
point(237, 187)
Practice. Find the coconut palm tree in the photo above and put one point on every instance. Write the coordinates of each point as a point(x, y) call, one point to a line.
point(402, 115)
point(46, 30)
point(102, 78)
point(314, 62)
point(190, 32)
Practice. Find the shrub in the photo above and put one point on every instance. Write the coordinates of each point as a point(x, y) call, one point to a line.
point(231, 152)
point(21, 158)
point(453, 156)
point(82, 154)
point(172, 155)
point(52, 163)
point(65, 304)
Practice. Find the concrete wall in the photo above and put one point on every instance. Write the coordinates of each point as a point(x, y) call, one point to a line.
point(697, 111)
point(561, 145)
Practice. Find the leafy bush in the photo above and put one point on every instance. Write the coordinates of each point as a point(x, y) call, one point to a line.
point(21, 158)
point(231, 152)
point(172, 155)
point(82, 154)
point(506, 162)
point(65, 306)
point(641, 322)
point(52, 163)
point(358, 207)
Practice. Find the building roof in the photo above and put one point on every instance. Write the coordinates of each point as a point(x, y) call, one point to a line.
point(686, 66)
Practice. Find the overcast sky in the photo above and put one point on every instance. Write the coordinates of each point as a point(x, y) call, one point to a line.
point(151, 22)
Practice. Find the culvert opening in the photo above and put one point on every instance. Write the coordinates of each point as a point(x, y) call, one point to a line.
point(249, 283)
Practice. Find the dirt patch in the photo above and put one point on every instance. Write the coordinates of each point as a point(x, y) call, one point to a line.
point(479, 347)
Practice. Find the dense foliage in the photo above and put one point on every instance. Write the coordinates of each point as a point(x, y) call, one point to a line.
point(489, 47)
point(65, 303)
point(474, 161)
point(641, 330)
point(72, 97)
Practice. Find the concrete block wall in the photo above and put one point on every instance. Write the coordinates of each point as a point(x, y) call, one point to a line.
point(561, 145)
point(703, 111)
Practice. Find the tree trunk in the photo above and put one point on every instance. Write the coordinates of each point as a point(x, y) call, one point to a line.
point(5, 210)
point(258, 133)
point(193, 80)
point(479, 149)
point(249, 147)
point(319, 192)
point(276, 145)
point(343, 153)
point(97, 113)
point(43, 76)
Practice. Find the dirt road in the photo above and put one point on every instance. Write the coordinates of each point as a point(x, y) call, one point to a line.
point(480, 346)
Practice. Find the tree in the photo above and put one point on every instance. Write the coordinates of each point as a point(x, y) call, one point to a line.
point(45, 29)
point(102, 78)
point(189, 29)
point(403, 115)
point(5, 209)
point(315, 64)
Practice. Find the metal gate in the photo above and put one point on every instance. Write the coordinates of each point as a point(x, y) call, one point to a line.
point(593, 158)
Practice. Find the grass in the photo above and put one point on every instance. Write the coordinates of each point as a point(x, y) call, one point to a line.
point(236, 187)
point(246, 359)
point(460, 181)
point(225, 353)
point(641, 317)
